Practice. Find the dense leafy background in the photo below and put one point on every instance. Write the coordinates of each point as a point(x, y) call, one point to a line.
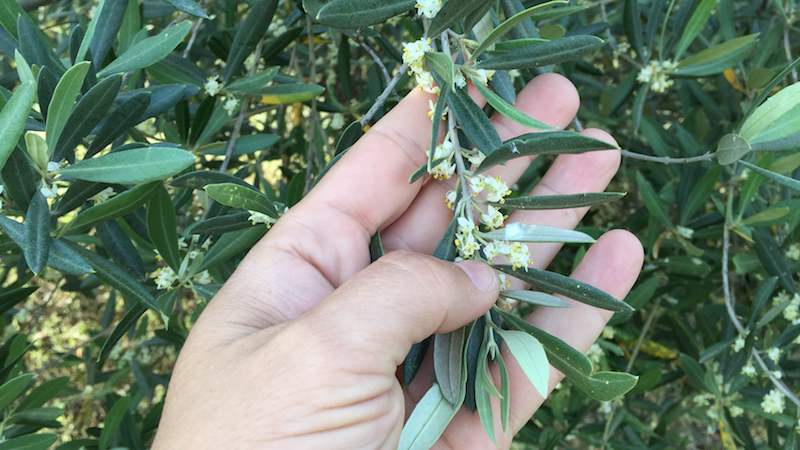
point(261, 98)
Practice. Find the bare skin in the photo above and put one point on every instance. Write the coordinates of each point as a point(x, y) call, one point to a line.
point(299, 349)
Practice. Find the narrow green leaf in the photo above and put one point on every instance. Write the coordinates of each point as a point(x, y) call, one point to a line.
point(543, 143)
point(505, 392)
point(140, 165)
point(427, 421)
point(556, 51)
point(522, 232)
point(189, 7)
point(200, 178)
point(162, 227)
point(80, 56)
point(61, 257)
point(632, 25)
point(442, 65)
point(237, 196)
point(530, 356)
point(13, 117)
point(64, 96)
point(560, 201)
point(109, 19)
point(38, 441)
point(436, 124)
point(509, 24)
point(651, 201)
point(361, 13)
point(230, 245)
point(119, 279)
point(766, 216)
point(13, 388)
point(221, 224)
point(714, 60)
point(282, 94)
point(149, 51)
point(451, 13)
point(552, 282)
point(535, 298)
point(251, 30)
point(87, 113)
point(37, 233)
point(791, 142)
point(117, 206)
point(9, 11)
point(253, 83)
point(473, 122)
point(777, 109)
point(113, 421)
point(697, 22)
point(508, 110)
point(790, 183)
point(121, 120)
point(448, 355)
point(128, 321)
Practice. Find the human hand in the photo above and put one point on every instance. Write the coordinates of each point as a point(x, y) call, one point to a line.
point(300, 347)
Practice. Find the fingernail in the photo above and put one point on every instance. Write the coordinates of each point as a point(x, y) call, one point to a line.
point(481, 275)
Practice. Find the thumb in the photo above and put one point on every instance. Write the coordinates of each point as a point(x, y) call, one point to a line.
point(399, 300)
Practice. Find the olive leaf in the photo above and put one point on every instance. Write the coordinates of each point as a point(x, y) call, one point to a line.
point(732, 148)
point(249, 32)
point(119, 205)
point(552, 282)
point(37, 233)
point(360, 13)
point(473, 121)
point(509, 24)
point(552, 52)
point(522, 232)
point(448, 351)
point(560, 201)
point(162, 226)
point(542, 143)
point(148, 51)
point(60, 256)
point(140, 165)
point(237, 196)
point(13, 117)
point(535, 298)
point(64, 96)
point(530, 356)
point(282, 94)
point(715, 59)
point(507, 109)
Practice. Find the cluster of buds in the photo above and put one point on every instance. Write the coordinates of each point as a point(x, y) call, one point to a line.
point(414, 56)
point(429, 8)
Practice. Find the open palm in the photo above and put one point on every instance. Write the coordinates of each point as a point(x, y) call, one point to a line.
point(272, 364)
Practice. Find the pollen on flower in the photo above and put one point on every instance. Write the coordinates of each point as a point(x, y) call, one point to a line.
point(428, 8)
point(450, 199)
point(657, 73)
point(414, 56)
point(748, 370)
point(212, 86)
point(774, 354)
point(496, 190)
point(773, 402)
point(466, 242)
point(519, 256)
point(444, 153)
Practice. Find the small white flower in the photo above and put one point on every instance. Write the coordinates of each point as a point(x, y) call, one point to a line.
point(103, 195)
point(52, 166)
point(426, 82)
point(685, 232)
point(202, 278)
point(414, 53)
point(257, 218)
point(231, 106)
point(445, 168)
point(496, 190)
point(466, 242)
point(483, 76)
point(492, 218)
point(738, 344)
point(657, 75)
point(460, 80)
point(519, 256)
point(781, 297)
point(212, 86)
point(165, 277)
point(450, 199)
point(337, 122)
point(736, 411)
point(428, 8)
point(595, 353)
point(773, 402)
point(475, 158)
point(748, 370)
point(793, 252)
point(701, 399)
point(792, 311)
point(774, 354)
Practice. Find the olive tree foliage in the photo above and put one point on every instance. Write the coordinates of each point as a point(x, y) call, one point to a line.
point(147, 145)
